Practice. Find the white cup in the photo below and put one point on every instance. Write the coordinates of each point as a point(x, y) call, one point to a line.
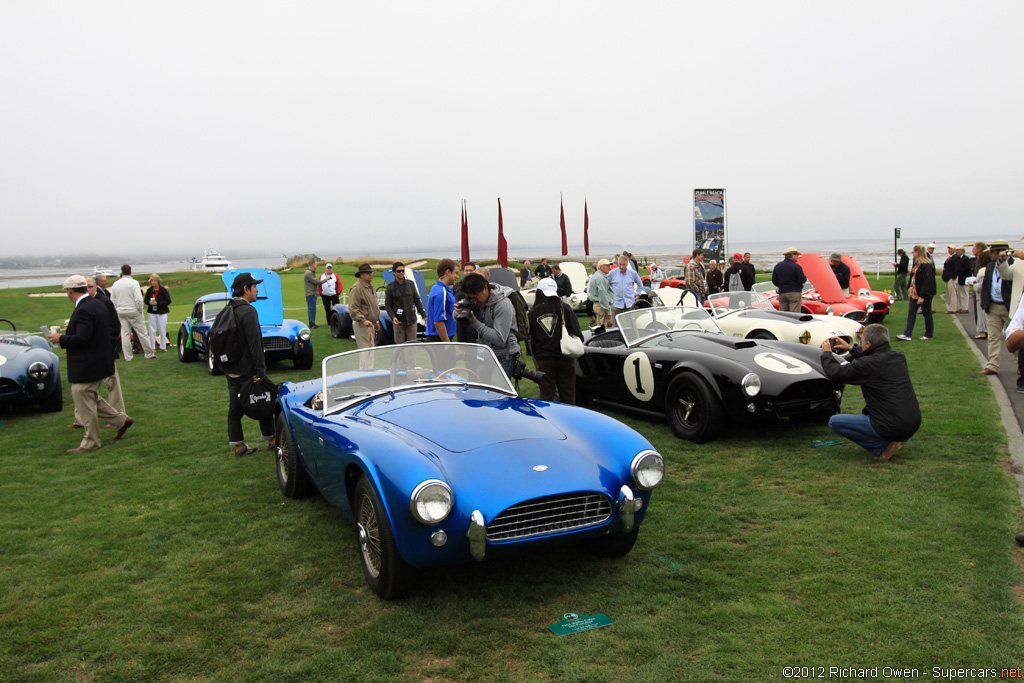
point(54, 329)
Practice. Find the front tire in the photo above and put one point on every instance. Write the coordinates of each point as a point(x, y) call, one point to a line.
point(693, 410)
point(387, 574)
point(303, 362)
point(613, 545)
point(291, 475)
point(185, 355)
point(55, 401)
point(339, 328)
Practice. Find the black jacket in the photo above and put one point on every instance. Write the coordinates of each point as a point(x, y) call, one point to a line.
point(924, 280)
point(546, 316)
point(405, 297)
point(842, 273)
point(252, 363)
point(163, 301)
point(788, 276)
point(90, 356)
point(951, 268)
point(745, 272)
point(986, 288)
point(889, 398)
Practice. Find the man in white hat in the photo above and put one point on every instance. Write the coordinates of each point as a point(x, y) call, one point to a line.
point(90, 361)
point(599, 291)
point(788, 278)
point(330, 289)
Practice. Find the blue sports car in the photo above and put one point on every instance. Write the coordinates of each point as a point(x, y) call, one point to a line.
point(282, 338)
point(29, 371)
point(428, 449)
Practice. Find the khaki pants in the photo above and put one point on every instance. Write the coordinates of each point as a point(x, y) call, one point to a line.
point(790, 301)
point(404, 333)
point(997, 318)
point(89, 408)
point(133, 319)
point(114, 396)
point(362, 334)
point(615, 312)
point(602, 317)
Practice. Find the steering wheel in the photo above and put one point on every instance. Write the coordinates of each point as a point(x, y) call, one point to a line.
point(695, 326)
point(476, 377)
point(655, 326)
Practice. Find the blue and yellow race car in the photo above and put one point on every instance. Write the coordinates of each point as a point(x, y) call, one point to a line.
point(282, 338)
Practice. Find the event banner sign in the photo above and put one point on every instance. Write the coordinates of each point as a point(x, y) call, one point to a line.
point(709, 223)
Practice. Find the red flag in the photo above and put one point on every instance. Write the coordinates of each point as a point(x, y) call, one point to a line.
point(565, 244)
point(502, 244)
point(465, 235)
point(586, 229)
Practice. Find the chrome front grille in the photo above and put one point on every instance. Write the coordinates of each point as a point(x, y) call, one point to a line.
point(274, 343)
point(550, 515)
point(855, 315)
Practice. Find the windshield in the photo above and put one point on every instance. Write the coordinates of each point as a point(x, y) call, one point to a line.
point(638, 325)
point(729, 302)
point(352, 376)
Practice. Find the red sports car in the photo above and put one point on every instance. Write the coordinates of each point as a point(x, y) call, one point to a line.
point(819, 272)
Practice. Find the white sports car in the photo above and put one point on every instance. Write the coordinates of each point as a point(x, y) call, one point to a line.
point(577, 273)
point(751, 316)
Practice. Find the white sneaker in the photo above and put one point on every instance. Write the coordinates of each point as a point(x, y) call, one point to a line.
point(903, 337)
point(926, 338)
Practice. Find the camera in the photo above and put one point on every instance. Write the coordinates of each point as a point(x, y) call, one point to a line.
point(520, 371)
point(832, 344)
point(466, 306)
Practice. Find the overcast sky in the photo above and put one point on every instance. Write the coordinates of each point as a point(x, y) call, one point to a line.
point(359, 127)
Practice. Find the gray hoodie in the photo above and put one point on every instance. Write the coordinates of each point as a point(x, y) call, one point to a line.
point(496, 323)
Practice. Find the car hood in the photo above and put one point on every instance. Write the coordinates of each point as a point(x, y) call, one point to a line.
point(766, 357)
point(19, 352)
point(773, 315)
point(462, 420)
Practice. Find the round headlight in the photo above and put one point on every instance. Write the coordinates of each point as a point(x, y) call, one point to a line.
point(304, 334)
point(431, 501)
point(860, 333)
point(38, 370)
point(648, 468)
point(805, 337)
point(751, 384)
point(892, 299)
point(869, 308)
point(830, 311)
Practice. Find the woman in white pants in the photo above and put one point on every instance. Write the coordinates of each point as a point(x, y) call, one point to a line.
point(158, 301)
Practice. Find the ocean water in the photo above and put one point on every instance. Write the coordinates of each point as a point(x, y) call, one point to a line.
point(874, 255)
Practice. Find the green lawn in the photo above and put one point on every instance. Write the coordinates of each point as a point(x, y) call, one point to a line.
point(162, 557)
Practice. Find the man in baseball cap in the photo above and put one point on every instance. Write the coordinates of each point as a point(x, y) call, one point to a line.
point(599, 290)
point(90, 360)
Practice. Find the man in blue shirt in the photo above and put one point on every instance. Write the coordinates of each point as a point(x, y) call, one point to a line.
point(626, 284)
point(441, 304)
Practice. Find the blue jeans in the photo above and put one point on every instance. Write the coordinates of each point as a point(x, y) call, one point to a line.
point(858, 429)
point(311, 308)
point(926, 311)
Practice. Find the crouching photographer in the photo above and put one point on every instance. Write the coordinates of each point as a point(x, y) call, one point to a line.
point(891, 414)
point(488, 311)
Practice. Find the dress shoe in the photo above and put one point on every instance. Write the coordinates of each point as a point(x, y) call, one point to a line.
point(124, 428)
point(1020, 538)
point(78, 450)
point(986, 371)
point(75, 425)
point(963, 311)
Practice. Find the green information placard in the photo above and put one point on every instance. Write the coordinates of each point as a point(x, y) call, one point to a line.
point(577, 623)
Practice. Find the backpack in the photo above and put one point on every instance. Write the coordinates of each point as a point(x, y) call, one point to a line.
point(225, 341)
point(735, 283)
point(522, 315)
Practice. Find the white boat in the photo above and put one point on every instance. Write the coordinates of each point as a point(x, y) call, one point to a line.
point(103, 270)
point(212, 262)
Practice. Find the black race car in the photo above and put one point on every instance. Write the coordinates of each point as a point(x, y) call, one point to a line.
point(677, 362)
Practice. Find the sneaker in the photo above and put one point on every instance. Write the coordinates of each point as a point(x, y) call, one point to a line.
point(313, 326)
point(926, 338)
point(903, 337)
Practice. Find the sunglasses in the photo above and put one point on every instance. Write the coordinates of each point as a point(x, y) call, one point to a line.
point(400, 270)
